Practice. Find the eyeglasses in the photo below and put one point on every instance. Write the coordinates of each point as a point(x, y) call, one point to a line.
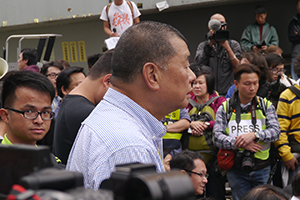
point(33, 114)
point(52, 75)
point(199, 174)
point(278, 70)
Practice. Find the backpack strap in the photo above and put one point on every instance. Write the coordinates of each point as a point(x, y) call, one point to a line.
point(261, 104)
point(107, 8)
point(289, 80)
point(130, 6)
point(209, 141)
point(266, 33)
point(201, 106)
point(295, 91)
point(228, 110)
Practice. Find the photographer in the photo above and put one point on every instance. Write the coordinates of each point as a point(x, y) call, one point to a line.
point(219, 53)
point(248, 124)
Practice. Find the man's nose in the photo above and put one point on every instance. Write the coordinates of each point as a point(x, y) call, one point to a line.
point(38, 120)
point(192, 76)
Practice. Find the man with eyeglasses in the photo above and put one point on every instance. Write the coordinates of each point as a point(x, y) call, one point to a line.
point(192, 163)
point(221, 56)
point(51, 70)
point(26, 99)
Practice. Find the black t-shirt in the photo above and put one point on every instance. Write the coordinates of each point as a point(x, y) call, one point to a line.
point(73, 111)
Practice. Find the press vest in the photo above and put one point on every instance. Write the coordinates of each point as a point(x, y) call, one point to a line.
point(171, 118)
point(7, 142)
point(245, 126)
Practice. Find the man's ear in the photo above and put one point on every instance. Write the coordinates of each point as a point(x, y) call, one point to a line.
point(26, 61)
point(64, 91)
point(236, 83)
point(183, 171)
point(106, 81)
point(150, 74)
point(4, 115)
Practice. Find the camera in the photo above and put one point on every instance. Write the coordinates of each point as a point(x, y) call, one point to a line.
point(259, 46)
point(220, 33)
point(245, 159)
point(27, 171)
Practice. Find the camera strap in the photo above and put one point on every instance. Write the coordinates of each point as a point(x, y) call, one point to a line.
point(295, 91)
point(252, 110)
point(265, 35)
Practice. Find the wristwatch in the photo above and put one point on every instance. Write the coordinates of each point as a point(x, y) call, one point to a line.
point(257, 136)
point(207, 123)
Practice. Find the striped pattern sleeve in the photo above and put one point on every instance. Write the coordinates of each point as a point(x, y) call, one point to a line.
point(288, 110)
point(222, 140)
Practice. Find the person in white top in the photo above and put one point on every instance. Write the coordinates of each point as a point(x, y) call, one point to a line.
point(118, 16)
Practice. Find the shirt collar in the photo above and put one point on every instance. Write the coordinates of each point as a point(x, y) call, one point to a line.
point(148, 121)
point(6, 140)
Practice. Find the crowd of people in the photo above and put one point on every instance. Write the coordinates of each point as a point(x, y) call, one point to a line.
point(144, 101)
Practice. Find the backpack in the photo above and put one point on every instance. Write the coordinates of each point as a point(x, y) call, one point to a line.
point(202, 144)
point(128, 3)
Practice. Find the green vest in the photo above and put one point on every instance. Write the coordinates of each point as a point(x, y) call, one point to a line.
point(7, 142)
point(245, 126)
point(171, 118)
point(203, 143)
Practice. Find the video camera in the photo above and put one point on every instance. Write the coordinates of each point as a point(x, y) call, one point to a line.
point(220, 34)
point(30, 167)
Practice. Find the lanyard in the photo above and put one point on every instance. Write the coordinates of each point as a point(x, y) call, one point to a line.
point(253, 113)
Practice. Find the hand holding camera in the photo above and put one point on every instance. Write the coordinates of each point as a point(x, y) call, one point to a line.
point(218, 30)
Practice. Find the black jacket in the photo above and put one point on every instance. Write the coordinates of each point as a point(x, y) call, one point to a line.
point(294, 35)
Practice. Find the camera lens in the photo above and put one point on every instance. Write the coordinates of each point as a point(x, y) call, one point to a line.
point(248, 162)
